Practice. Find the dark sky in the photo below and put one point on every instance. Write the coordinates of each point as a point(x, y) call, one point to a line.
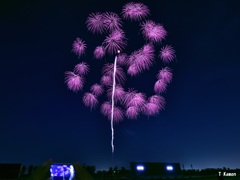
point(41, 119)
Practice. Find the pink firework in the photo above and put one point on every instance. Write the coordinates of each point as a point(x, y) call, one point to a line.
point(81, 69)
point(108, 70)
point(106, 108)
point(114, 42)
point(135, 11)
point(160, 86)
point(141, 60)
point(118, 103)
point(97, 90)
point(135, 99)
point(95, 23)
point(156, 99)
point(99, 52)
point(118, 94)
point(153, 32)
point(145, 57)
point(90, 100)
point(149, 50)
point(167, 54)
point(106, 80)
point(154, 105)
point(74, 82)
point(130, 94)
point(112, 21)
point(151, 109)
point(79, 47)
point(118, 115)
point(133, 70)
point(132, 112)
point(165, 74)
point(122, 59)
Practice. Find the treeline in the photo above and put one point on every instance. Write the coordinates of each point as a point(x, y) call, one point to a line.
point(112, 172)
point(124, 173)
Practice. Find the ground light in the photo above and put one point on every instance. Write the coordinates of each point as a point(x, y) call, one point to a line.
point(169, 168)
point(140, 168)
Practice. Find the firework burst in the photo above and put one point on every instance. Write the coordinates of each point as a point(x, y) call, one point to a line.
point(99, 52)
point(79, 47)
point(135, 11)
point(153, 32)
point(81, 68)
point(121, 103)
point(114, 42)
point(95, 23)
point(74, 81)
point(90, 100)
point(97, 89)
point(167, 54)
point(165, 74)
point(112, 21)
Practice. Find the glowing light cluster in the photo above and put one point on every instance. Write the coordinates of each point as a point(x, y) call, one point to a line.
point(169, 168)
point(140, 168)
point(63, 171)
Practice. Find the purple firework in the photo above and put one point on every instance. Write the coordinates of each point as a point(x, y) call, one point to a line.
point(129, 96)
point(112, 21)
point(132, 112)
point(90, 100)
point(167, 54)
point(118, 94)
point(79, 47)
point(114, 42)
point(135, 99)
point(165, 74)
point(144, 57)
point(97, 89)
point(122, 59)
point(95, 23)
point(154, 105)
point(81, 68)
point(106, 110)
point(151, 109)
point(156, 99)
point(135, 11)
point(106, 80)
point(141, 60)
point(118, 115)
point(119, 103)
point(153, 32)
point(108, 70)
point(99, 52)
point(160, 86)
point(133, 70)
point(74, 82)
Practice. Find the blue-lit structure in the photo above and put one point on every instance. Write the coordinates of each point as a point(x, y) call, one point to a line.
point(62, 172)
point(154, 169)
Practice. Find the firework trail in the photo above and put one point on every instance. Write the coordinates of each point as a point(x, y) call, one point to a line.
point(113, 92)
point(120, 102)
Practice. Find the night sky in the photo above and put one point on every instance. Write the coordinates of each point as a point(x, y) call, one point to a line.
point(41, 119)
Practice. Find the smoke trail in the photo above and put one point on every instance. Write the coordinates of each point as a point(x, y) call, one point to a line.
point(113, 92)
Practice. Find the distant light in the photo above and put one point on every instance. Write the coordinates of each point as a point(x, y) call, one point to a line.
point(140, 168)
point(169, 168)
